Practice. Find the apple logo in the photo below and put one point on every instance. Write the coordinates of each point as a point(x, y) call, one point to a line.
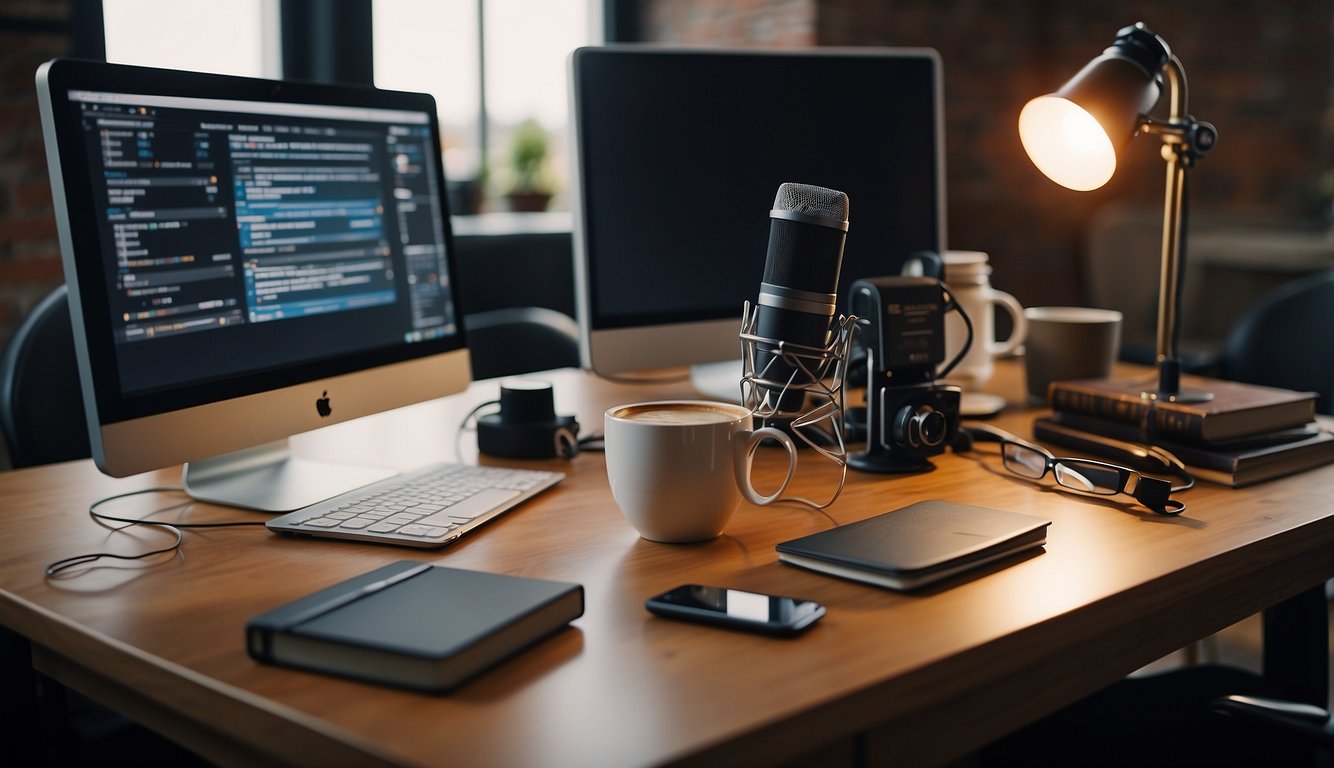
point(322, 406)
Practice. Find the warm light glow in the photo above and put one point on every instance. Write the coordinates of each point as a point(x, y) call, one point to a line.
point(1066, 143)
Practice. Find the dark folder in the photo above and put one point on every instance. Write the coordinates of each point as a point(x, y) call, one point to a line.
point(917, 545)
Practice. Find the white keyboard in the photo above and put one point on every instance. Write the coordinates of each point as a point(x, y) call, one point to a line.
point(426, 508)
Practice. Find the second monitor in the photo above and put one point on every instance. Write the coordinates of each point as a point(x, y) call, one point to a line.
point(678, 155)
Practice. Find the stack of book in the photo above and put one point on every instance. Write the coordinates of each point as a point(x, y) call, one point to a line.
point(1245, 434)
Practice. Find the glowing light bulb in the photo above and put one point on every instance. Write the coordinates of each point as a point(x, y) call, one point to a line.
point(1066, 143)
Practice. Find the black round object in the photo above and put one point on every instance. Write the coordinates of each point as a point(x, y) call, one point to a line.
point(527, 427)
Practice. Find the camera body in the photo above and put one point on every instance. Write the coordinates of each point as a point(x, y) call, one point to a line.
point(909, 416)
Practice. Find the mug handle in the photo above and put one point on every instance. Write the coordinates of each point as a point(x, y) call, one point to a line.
point(745, 458)
point(1018, 332)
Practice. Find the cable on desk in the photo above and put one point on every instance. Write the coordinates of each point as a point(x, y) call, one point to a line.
point(591, 442)
point(467, 426)
point(174, 528)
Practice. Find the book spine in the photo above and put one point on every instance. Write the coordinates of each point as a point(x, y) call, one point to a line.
point(1128, 409)
point(1084, 433)
point(259, 643)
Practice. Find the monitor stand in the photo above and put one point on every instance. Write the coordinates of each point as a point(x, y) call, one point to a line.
point(269, 478)
point(718, 381)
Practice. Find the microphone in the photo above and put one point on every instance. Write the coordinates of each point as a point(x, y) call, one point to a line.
point(807, 228)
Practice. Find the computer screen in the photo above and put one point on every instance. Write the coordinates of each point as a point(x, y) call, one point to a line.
point(679, 154)
point(246, 260)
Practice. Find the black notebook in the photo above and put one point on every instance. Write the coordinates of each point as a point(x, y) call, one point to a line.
point(917, 545)
point(414, 625)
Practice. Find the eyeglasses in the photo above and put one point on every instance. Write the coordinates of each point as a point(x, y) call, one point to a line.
point(1098, 478)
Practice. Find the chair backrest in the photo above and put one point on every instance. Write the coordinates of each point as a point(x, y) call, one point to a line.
point(514, 340)
point(41, 402)
point(516, 269)
point(1287, 340)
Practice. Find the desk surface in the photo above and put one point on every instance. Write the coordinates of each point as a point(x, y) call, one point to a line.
point(918, 678)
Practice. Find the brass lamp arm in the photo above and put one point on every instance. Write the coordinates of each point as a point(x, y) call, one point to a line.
point(1184, 140)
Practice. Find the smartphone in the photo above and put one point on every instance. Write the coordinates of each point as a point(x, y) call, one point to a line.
point(736, 609)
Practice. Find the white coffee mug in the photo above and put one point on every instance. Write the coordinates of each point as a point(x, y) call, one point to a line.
point(679, 468)
point(968, 276)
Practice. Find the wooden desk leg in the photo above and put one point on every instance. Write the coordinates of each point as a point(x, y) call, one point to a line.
point(1296, 646)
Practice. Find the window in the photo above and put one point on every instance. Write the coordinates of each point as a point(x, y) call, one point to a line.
point(235, 38)
point(432, 46)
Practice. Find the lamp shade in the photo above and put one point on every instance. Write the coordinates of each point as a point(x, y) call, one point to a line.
point(1074, 134)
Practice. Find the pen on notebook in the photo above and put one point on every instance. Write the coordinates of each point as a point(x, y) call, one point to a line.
point(316, 611)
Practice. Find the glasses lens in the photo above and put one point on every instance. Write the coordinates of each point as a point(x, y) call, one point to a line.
point(1089, 478)
point(1022, 460)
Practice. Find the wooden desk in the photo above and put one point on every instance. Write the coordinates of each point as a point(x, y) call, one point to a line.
point(909, 679)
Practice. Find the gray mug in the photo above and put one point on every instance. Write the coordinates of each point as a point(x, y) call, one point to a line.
point(1069, 343)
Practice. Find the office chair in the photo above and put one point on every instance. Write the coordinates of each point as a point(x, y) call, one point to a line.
point(42, 420)
point(514, 340)
point(1292, 719)
point(1287, 340)
point(41, 403)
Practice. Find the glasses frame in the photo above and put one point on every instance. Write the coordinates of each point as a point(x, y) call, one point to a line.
point(1153, 492)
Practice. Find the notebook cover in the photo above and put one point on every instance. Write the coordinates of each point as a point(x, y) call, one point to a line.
point(920, 538)
point(430, 631)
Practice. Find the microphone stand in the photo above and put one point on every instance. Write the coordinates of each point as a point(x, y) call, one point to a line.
point(819, 374)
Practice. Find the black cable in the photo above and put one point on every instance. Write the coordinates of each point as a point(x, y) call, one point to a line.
point(174, 528)
point(464, 426)
point(474, 413)
point(968, 325)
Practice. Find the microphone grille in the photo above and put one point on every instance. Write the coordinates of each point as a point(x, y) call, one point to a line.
point(810, 200)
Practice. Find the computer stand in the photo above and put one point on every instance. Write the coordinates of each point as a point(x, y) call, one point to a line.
point(269, 478)
point(719, 381)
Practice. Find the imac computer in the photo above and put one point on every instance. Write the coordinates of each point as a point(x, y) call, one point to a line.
point(247, 260)
point(678, 156)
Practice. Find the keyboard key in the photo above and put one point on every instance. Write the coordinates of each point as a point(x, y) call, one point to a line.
point(426, 531)
point(480, 503)
point(425, 505)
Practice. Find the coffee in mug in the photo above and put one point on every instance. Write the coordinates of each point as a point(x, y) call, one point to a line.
point(678, 469)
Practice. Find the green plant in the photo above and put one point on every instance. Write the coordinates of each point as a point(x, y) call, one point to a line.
point(528, 158)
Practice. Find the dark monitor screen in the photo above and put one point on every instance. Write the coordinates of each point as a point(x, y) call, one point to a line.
point(238, 250)
point(680, 153)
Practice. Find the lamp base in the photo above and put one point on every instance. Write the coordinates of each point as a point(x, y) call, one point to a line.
point(1169, 385)
point(1180, 396)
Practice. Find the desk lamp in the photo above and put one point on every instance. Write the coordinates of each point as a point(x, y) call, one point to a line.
point(1074, 134)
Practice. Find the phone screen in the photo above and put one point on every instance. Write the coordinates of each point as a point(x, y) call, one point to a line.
point(738, 609)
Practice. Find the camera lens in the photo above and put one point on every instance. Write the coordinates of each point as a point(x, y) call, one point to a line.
point(926, 428)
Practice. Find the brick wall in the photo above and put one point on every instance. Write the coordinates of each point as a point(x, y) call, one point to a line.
point(1258, 70)
point(768, 23)
point(30, 33)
